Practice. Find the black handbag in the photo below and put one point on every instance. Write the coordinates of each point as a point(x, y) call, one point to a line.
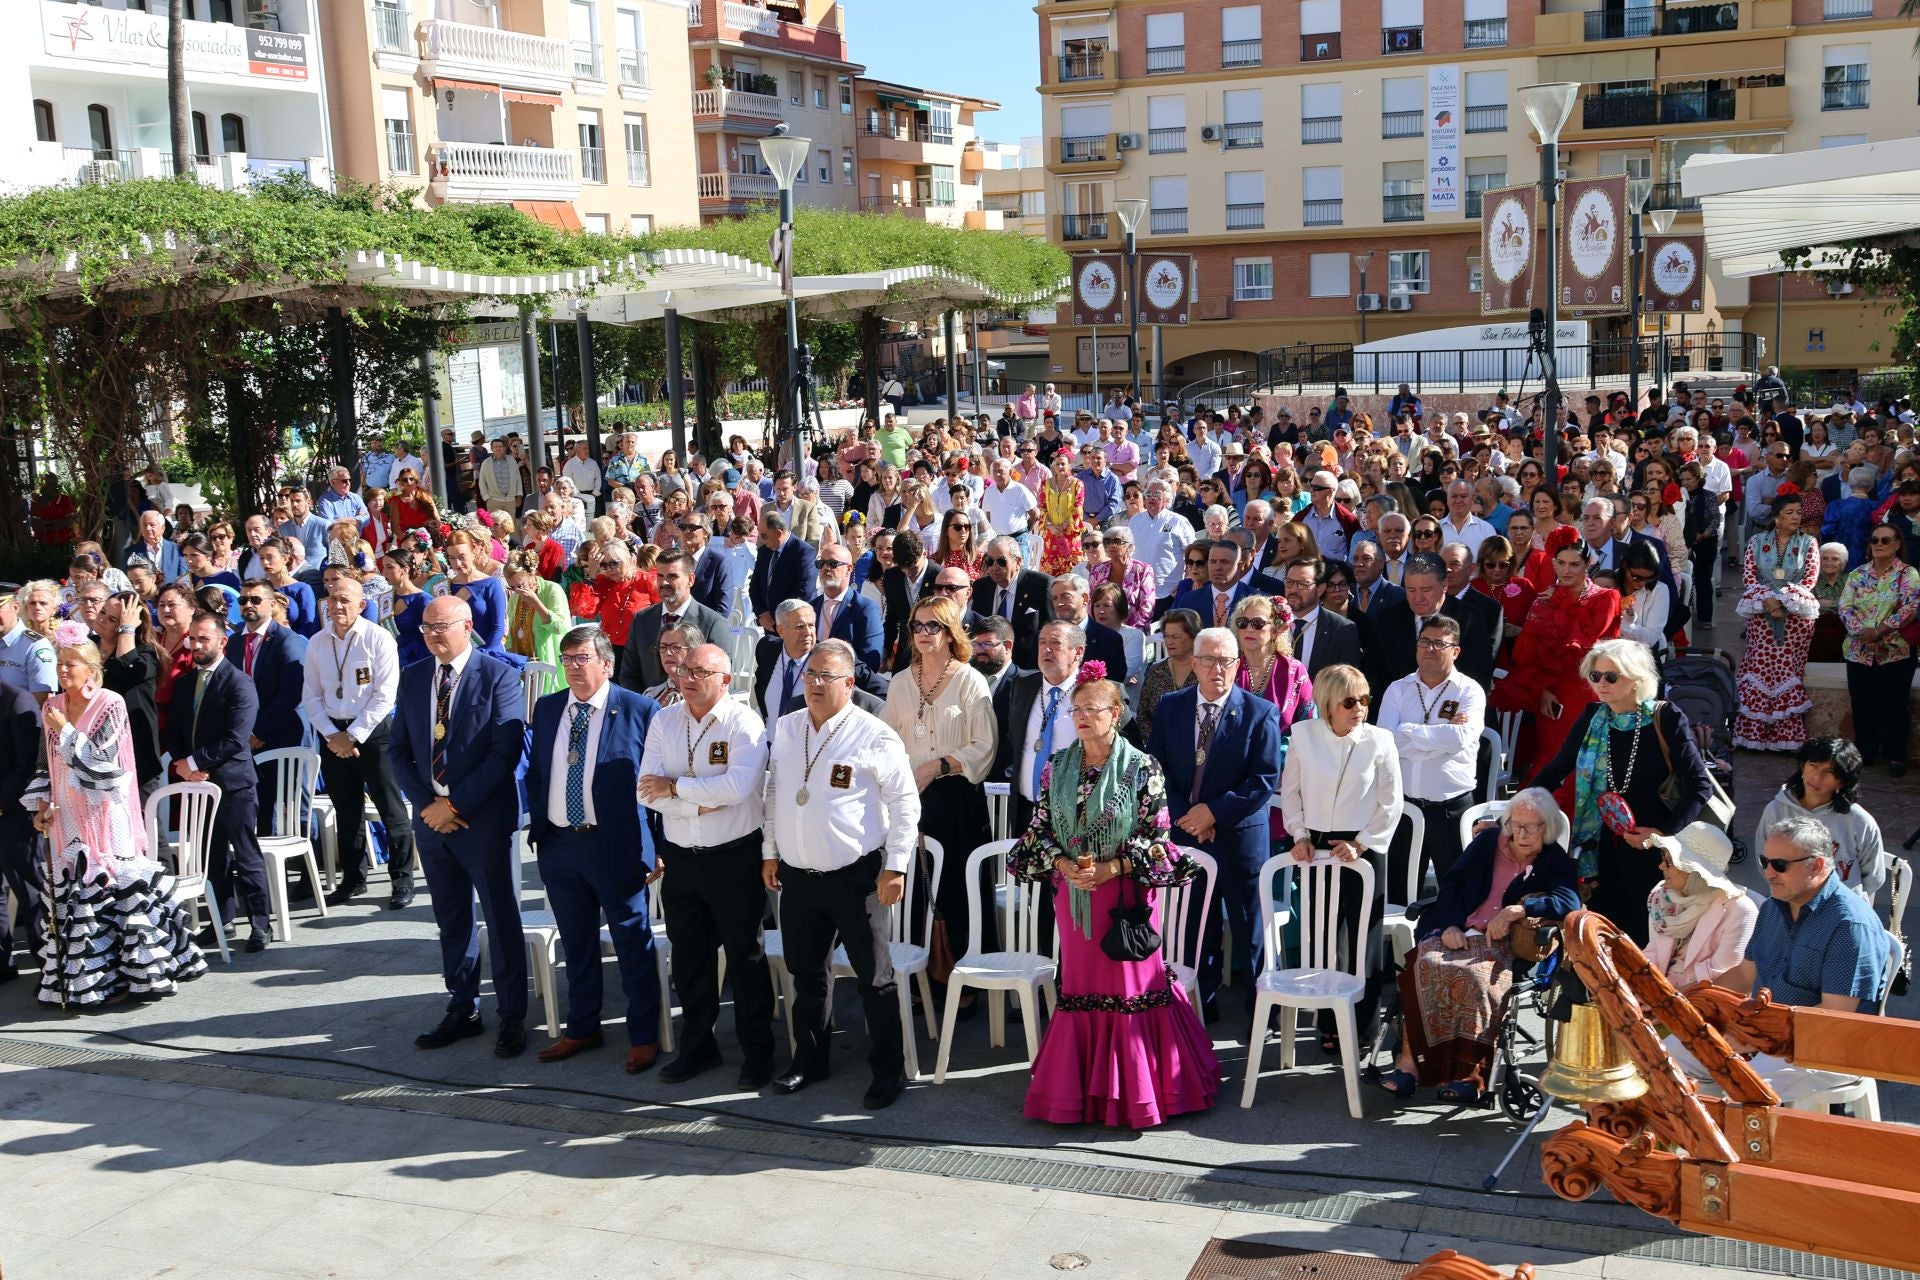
point(1132, 935)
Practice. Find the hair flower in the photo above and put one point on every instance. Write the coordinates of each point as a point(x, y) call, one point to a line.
point(1787, 490)
point(70, 634)
point(1089, 672)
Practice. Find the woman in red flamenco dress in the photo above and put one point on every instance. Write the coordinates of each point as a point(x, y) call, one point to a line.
point(1543, 680)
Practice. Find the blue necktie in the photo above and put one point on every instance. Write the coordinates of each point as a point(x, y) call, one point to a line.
point(790, 700)
point(577, 764)
point(1044, 747)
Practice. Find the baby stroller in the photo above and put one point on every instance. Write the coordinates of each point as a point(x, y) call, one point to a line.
point(1701, 683)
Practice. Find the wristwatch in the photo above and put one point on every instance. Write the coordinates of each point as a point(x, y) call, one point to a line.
point(946, 769)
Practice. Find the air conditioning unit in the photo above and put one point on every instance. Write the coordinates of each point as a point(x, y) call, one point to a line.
point(263, 15)
point(1210, 132)
point(1128, 141)
point(95, 173)
point(1366, 302)
point(1840, 290)
point(1399, 302)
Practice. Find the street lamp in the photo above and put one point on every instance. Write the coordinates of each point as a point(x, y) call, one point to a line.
point(1638, 189)
point(786, 155)
point(1662, 220)
point(1363, 261)
point(1130, 211)
point(1547, 107)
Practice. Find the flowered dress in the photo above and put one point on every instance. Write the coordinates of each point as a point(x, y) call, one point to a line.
point(1066, 521)
point(1125, 1046)
point(1772, 678)
point(116, 927)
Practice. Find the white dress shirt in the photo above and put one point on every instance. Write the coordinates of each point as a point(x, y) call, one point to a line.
point(585, 474)
point(1471, 535)
point(1161, 541)
point(562, 745)
point(1010, 508)
point(860, 794)
point(459, 666)
point(364, 665)
point(1438, 759)
point(1331, 783)
point(727, 771)
point(1200, 706)
point(1308, 623)
point(1063, 734)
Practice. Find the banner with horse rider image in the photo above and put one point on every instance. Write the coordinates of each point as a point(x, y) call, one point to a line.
point(1676, 271)
point(1593, 249)
point(1508, 235)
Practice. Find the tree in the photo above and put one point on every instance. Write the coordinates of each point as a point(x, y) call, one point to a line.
point(179, 126)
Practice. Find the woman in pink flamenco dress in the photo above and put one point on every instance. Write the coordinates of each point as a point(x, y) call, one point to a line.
point(1125, 1046)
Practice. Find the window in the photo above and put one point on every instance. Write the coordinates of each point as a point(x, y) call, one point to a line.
point(593, 150)
point(1166, 43)
point(202, 150)
point(1319, 113)
point(1486, 24)
point(1484, 174)
point(1486, 102)
point(1407, 271)
point(1246, 200)
point(1242, 113)
point(1240, 36)
point(233, 134)
point(640, 224)
point(594, 223)
point(1845, 84)
point(1167, 204)
point(1319, 30)
point(846, 165)
point(1252, 279)
point(1403, 191)
point(397, 123)
point(1475, 280)
point(1083, 131)
point(819, 93)
point(1403, 107)
point(940, 124)
point(1329, 275)
point(796, 87)
point(846, 95)
point(639, 164)
point(1166, 124)
point(43, 130)
point(1321, 196)
point(219, 10)
point(100, 131)
point(1402, 26)
point(824, 157)
point(582, 26)
point(631, 35)
point(1843, 140)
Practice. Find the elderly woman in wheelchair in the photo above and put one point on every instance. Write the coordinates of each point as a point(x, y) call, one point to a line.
point(1453, 990)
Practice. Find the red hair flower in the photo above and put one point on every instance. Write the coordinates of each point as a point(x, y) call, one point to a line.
point(1089, 672)
point(1787, 490)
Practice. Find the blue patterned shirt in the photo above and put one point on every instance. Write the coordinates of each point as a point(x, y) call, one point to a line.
point(1836, 947)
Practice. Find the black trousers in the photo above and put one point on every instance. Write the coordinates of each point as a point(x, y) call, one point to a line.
point(1704, 555)
point(1442, 847)
point(234, 860)
point(20, 871)
point(1881, 717)
point(816, 908)
point(714, 899)
point(351, 781)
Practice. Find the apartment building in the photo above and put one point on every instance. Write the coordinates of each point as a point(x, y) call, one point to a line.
point(88, 84)
point(919, 154)
point(758, 64)
point(1290, 147)
point(578, 112)
point(1015, 183)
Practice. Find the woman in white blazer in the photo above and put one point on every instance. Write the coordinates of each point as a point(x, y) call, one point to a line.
point(1698, 920)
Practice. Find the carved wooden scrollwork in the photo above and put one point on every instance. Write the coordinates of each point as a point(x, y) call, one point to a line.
point(1449, 1265)
point(1622, 1120)
point(1755, 1021)
point(1580, 1159)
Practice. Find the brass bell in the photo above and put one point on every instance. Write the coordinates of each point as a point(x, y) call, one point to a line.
point(1587, 1065)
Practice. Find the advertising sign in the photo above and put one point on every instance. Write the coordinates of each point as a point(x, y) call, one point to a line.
point(1166, 282)
point(1444, 182)
point(1113, 355)
point(1097, 294)
point(129, 37)
point(1593, 250)
point(1507, 240)
point(1675, 272)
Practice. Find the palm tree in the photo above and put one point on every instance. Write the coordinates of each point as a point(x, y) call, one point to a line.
point(179, 127)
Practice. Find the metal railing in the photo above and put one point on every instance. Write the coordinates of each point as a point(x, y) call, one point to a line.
point(633, 68)
point(693, 13)
point(1403, 124)
point(390, 28)
point(1166, 59)
point(1491, 119)
point(1696, 19)
point(495, 163)
point(1836, 10)
point(1318, 129)
point(1242, 136)
point(1088, 65)
point(1621, 24)
point(1402, 39)
point(1666, 195)
point(1844, 95)
point(1476, 196)
point(1619, 110)
point(1685, 106)
point(639, 169)
point(593, 164)
point(1240, 53)
point(723, 102)
point(906, 131)
point(1321, 213)
point(1318, 365)
point(401, 157)
point(1166, 141)
point(586, 60)
point(1083, 226)
point(1083, 150)
point(1403, 208)
point(1486, 33)
point(1167, 222)
point(1246, 217)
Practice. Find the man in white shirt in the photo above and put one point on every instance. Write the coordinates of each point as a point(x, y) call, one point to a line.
point(585, 474)
point(1329, 529)
point(1460, 524)
point(1435, 716)
point(1160, 538)
point(1396, 536)
point(1603, 451)
point(404, 461)
point(1596, 527)
point(703, 772)
point(842, 825)
point(1203, 452)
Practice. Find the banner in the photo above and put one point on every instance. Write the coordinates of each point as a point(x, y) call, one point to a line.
point(1443, 140)
point(129, 37)
point(1676, 273)
point(1166, 283)
point(1593, 248)
point(1507, 239)
point(1097, 296)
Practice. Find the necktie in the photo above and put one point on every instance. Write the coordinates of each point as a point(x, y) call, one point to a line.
point(1366, 593)
point(669, 622)
point(1219, 609)
point(1208, 714)
point(1393, 572)
point(1000, 603)
point(1043, 747)
point(790, 700)
point(827, 609)
point(1299, 631)
point(253, 648)
point(577, 764)
point(442, 698)
point(199, 688)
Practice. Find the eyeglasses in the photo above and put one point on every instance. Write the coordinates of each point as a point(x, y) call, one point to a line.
point(673, 648)
point(1495, 564)
point(1883, 542)
point(1250, 624)
point(1356, 700)
point(574, 660)
point(1426, 533)
point(1099, 709)
point(1603, 677)
point(836, 564)
point(945, 587)
point(1779, 865)
point(699, 673)
point(243, 599)
point(1339, 584)
point(1116, 542)
point(437, 628)
point(826, 677)
point(1437, 646)
point(995, 562)
point(1210, 660)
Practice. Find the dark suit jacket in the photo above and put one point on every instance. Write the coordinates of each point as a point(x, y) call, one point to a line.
point(1335, 640)
point(620, 825)
point(1012, 704)
point(857, 623)
point(278, 672)
point(218, 739)
point(1239, 778)
point(786, 574)
point(639, 667)
point(1391, 653)
point(766, 657)
point(21, 744)
point(1032, 608)
point(1105, 645)
point(1384, 594)
point(1200, 600)
point(486, 740)
point(710, 581)
point(1477, 662)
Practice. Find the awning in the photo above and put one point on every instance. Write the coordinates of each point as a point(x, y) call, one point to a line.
point(555, 213)
point(1754, 207)
point(1601, 68)
point(1723, 61)
point(897, 100)
point(509, 95)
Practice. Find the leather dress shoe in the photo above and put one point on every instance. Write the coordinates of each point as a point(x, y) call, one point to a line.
point(642, 1057)
point(565, 1047)
point(512, 1040)
point(346, 891)
point(796, 1080)
point(257, 941)
point(755, 1077)
point(455, 1026)
point(882, 1092)
point(685, 1068)
point(402, 898)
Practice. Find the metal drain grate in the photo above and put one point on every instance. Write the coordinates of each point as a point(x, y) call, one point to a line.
point(1218, 1192)
point(1249, 1260)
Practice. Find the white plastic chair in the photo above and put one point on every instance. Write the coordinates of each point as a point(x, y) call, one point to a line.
point(295, 771)
point(1176, 905)
point(1000, 809)
point(1900, 886)
point(1509, 744)
point(663, 960)
point(1497, 768)
point(1860, 1095)
point(192, 834)
point(909, 958)
point(1021, 968)
point(1496, 810)
point(1321, 981)
point(535, 684)
point(1396, 930)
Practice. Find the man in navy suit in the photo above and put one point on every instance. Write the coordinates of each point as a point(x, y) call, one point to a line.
point(638, 667)
point(459, 735)
point(210, 720)
point(1321, 637)
point(1371, 590)
point(842, 613)
point(273, 657)
point(1215, 601)
point(783, 569)
point(1007, 590)
point(596, 852)
point(1104, 645)
point(710, 577)
point(1220, 749)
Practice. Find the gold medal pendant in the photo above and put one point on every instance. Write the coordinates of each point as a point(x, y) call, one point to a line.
point(439, 732)
point(801, 797)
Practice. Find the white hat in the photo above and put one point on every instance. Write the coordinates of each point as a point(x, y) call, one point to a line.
point(1703, 849)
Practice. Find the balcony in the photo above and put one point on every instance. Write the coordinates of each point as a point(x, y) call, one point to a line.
point(1403, 208)
point(1844, 95)
point(639, 169)
point(732, 187)
point(401, 155)
point(731, 105)
point(904, 141)
point(1167, 222)
point(1088, 153)
point(1621, 24)
point(1487, 119)
point(1078, 228)
point(1086, 64)
point(587, 61)
point(633, 71)
point(1403, 124)
point(1321, 213)
point(1161, 142)
point(462, 51)
point(1246, 217)
point(1476, 196)
point(1619, 110)
point(1243, 136)
point(390, 28)
point(1699, 19)
point(48, 164)
point(1486, 33)
point(1691, 106)
point(1402, 40)
point(1675, 106)
point(488, 172)
point(593, 164)
point(731, 22)
point(1166, 59)
point(1318, 129)
point(1239, 53)
point(1324, 47)
point(1666, 195)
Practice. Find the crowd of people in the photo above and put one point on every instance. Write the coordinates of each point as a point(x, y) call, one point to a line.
point(746, 678)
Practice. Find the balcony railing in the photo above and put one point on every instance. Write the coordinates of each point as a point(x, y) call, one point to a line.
point(1403, 208)
point(1240, 53)
point(1089, 64)
point(1402, 39)
point(1843, 95)
point(1083, 150)
point(693, 13)
point(489, 165)
point(1696, 19)
point(593, 164)
point(1321, 213)
point(390, 28)
point(1166, 59)
point(1162, 142)
point(906, 131)
point(1621, 24)
point(738, 186)
point(586, 60)
point(1242, 136)
point(401, 157)
point(1487, 119)
point(1666, 195)
point(1316, 129)
point(1836, 10)
point(1486, 33)
point(1083, 226)
point(633, 68)
point(1686, 106)
point(732, 102)
point(1167, 222)
point(1619, 110)
point(1402, 124)
point(1246, 217)
point(489, 51)
point(639, 169)
point(1476, 197)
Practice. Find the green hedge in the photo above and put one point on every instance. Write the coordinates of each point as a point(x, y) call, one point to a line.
point(623, 417)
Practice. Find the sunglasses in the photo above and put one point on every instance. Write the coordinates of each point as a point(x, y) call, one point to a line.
point(243, 600)
point(1883, 542)
point(925, 628)
point(1250, 624)
point(1779, 865)
point(950, 586)
point(996, 562)
point(1426, 533)
point(1357, 700)
point(1603, 677)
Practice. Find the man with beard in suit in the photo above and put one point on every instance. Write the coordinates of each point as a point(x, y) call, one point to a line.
point(639, 667)
point(1008, 589)
point(1321, 638)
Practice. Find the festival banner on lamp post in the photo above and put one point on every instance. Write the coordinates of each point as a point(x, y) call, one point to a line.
point(1593, 252)
point(1166, 283)
point(1507, 240)
point(1675, 278)
point(1098, 297)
